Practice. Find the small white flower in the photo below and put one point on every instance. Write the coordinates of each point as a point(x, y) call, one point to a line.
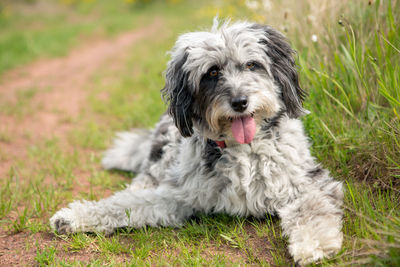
point(314, 38)
point(267, 4)
point(252, 4)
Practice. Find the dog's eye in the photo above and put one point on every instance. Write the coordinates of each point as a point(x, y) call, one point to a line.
point(213, 73)
point(250, 65)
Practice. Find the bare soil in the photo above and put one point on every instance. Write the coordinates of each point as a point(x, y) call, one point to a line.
point(59, 90)
point(60, 96)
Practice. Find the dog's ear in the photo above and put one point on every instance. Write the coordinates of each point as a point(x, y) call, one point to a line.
point(177, 94)
point(283, 69)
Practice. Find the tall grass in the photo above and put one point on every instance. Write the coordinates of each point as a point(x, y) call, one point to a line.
point(353, 78)
point(348, 54)
point(352, 75)
point(354, 94)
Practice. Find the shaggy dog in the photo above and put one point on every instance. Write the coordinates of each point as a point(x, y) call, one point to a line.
point(231, 142)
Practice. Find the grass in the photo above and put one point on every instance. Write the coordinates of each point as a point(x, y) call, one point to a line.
point(351, 74)
point(46, 256)
point(21, 105)
point(54, 28)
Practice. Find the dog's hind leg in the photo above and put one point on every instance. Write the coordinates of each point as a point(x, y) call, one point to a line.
point(129, 151)
point(153, 206)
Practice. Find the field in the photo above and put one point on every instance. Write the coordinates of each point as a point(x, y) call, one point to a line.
point(75, 72)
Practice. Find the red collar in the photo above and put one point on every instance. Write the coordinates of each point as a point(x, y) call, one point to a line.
point(221, 144)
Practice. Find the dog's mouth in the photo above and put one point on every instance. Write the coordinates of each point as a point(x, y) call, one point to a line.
point(243, 128)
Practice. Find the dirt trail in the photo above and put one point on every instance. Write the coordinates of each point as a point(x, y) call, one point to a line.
point(59, 90)
point(60, 85)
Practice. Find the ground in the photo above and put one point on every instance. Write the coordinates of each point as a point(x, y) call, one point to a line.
point(57, 102)
point(73, 74)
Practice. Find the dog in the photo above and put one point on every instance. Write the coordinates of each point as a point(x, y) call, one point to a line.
point(231, 142)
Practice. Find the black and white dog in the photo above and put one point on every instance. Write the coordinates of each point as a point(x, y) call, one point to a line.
point(231, 142)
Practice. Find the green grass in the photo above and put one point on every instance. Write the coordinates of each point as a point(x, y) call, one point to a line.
point(351, 74)
point(45, 257)
point(354, 97)
point(21, 106)
point(29, 33)
point(354, 124)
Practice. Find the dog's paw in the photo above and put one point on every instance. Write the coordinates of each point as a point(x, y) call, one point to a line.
point(311, 250)
point(62, 226)
point(63, 222)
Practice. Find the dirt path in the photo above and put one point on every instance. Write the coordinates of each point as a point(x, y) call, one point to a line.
point(59, 96)
point(58, 99)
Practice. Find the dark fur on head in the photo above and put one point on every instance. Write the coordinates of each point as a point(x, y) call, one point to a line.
point(283, 69)
point(180, 98)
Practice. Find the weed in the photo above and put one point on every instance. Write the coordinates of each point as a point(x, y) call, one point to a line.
point(45, 257)
point(20, 223)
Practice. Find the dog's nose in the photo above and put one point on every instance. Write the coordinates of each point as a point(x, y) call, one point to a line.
point(240, 103)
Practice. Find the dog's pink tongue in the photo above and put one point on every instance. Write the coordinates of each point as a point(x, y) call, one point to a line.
point(244, 129)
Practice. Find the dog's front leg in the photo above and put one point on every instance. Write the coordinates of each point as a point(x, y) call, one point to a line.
point(313, 222)
point(153, 206)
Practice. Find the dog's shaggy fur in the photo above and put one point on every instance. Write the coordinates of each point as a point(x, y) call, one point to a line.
point(236, 73)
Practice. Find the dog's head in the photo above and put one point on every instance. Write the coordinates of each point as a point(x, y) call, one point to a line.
point(227, 81)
